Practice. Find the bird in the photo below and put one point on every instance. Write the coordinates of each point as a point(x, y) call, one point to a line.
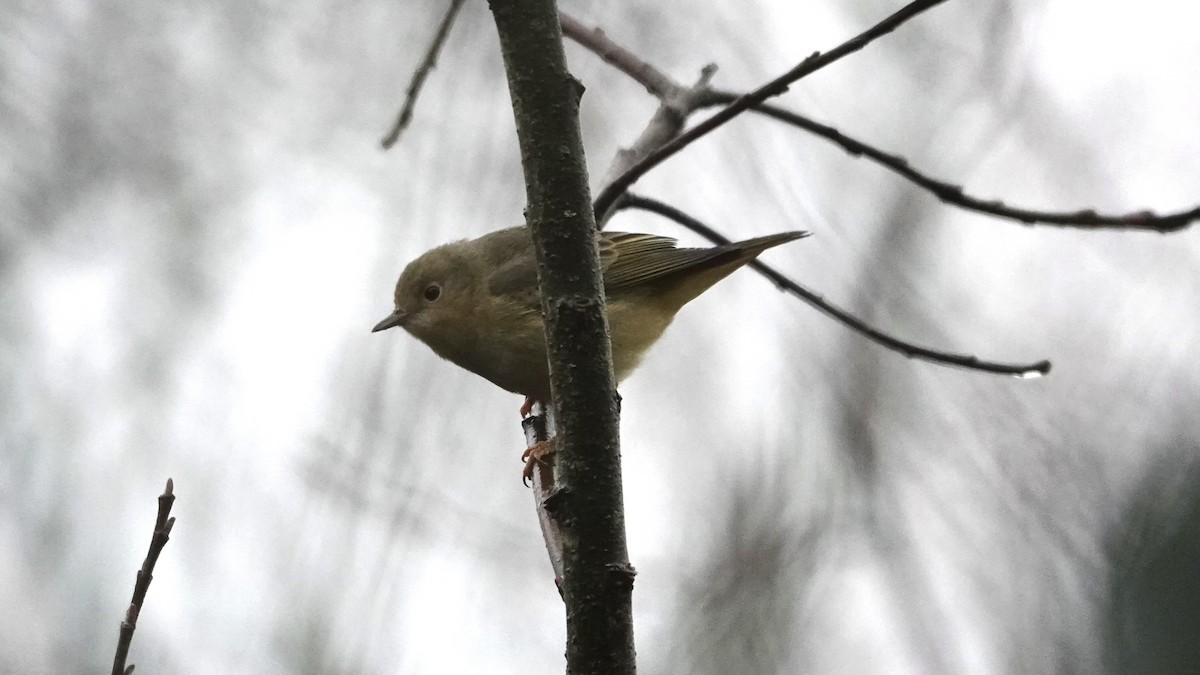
point(475, 302)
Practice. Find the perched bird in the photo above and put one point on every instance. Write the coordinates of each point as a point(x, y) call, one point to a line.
point(476, 304)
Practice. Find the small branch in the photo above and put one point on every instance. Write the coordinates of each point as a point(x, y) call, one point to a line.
point(608, 196)
point(630, 200)
point(595, 41)
point(162, 533)
point(954, 195)
point(539, 427)
point(677, 102)
point(418, 79)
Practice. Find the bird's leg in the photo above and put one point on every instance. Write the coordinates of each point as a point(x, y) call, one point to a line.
point(534, 455)
point(537, 453)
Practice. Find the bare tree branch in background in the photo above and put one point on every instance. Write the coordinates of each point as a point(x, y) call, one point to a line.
point(683, 101)
point(418, 78)
point(163, 523)
point(814, 62)
point(677, 103)
point(954, 195)
point(633, 201)
point(595, 40)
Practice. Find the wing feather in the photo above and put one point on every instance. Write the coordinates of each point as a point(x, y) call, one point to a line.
point(635, 259)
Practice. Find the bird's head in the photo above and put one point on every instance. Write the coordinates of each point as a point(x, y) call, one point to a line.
point(433, 296)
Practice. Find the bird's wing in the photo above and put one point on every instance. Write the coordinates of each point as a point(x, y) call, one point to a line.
point(517, 279)
point(633, 259)
point(627, 259)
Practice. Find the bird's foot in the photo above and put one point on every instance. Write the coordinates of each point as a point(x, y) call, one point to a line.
point(537, 454)
point(527, 407)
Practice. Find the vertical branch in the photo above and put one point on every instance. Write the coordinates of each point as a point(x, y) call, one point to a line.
point(598, 582)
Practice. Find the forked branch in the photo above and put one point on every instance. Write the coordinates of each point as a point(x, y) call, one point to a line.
point(814, 62)
point(677, 104)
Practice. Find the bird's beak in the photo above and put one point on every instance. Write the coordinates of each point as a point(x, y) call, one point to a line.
point(396, 318)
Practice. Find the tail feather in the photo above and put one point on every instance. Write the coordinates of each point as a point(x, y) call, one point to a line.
point(723, 260)
point(759, 244)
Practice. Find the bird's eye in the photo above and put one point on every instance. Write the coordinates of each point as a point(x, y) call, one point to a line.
point(432, 292)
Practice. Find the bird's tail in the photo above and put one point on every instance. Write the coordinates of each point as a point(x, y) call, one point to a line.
point(720, 262)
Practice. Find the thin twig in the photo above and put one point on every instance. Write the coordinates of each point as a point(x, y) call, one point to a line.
point(809, 65)
point(676, 102)
point(954, 195)
point(701, 95)
point(418, 79)
point(594, 40)
point(630, 200)
point(162, 533)
point(539, 428)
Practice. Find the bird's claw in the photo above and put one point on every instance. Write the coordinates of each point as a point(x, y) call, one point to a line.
point(533, 456)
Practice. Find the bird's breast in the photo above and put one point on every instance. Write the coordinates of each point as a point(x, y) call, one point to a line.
point(635, 324)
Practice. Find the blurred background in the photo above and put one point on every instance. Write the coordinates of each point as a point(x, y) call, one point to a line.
point(198, 229)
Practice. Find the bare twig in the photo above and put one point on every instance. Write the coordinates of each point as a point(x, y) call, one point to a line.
point(539, 427)
point(676, 102)
point(681, 101)
point(954, 195)
point(630, 200)
point(608, 196)
point(418, 79)
point(594, 40)
point(162, 533)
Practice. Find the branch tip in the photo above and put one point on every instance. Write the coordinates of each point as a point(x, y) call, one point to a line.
point(813, 299)
point(955, 195)
point(163, 523)
point(418, 79)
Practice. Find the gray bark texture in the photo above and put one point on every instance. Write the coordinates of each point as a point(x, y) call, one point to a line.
point(598, 583)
